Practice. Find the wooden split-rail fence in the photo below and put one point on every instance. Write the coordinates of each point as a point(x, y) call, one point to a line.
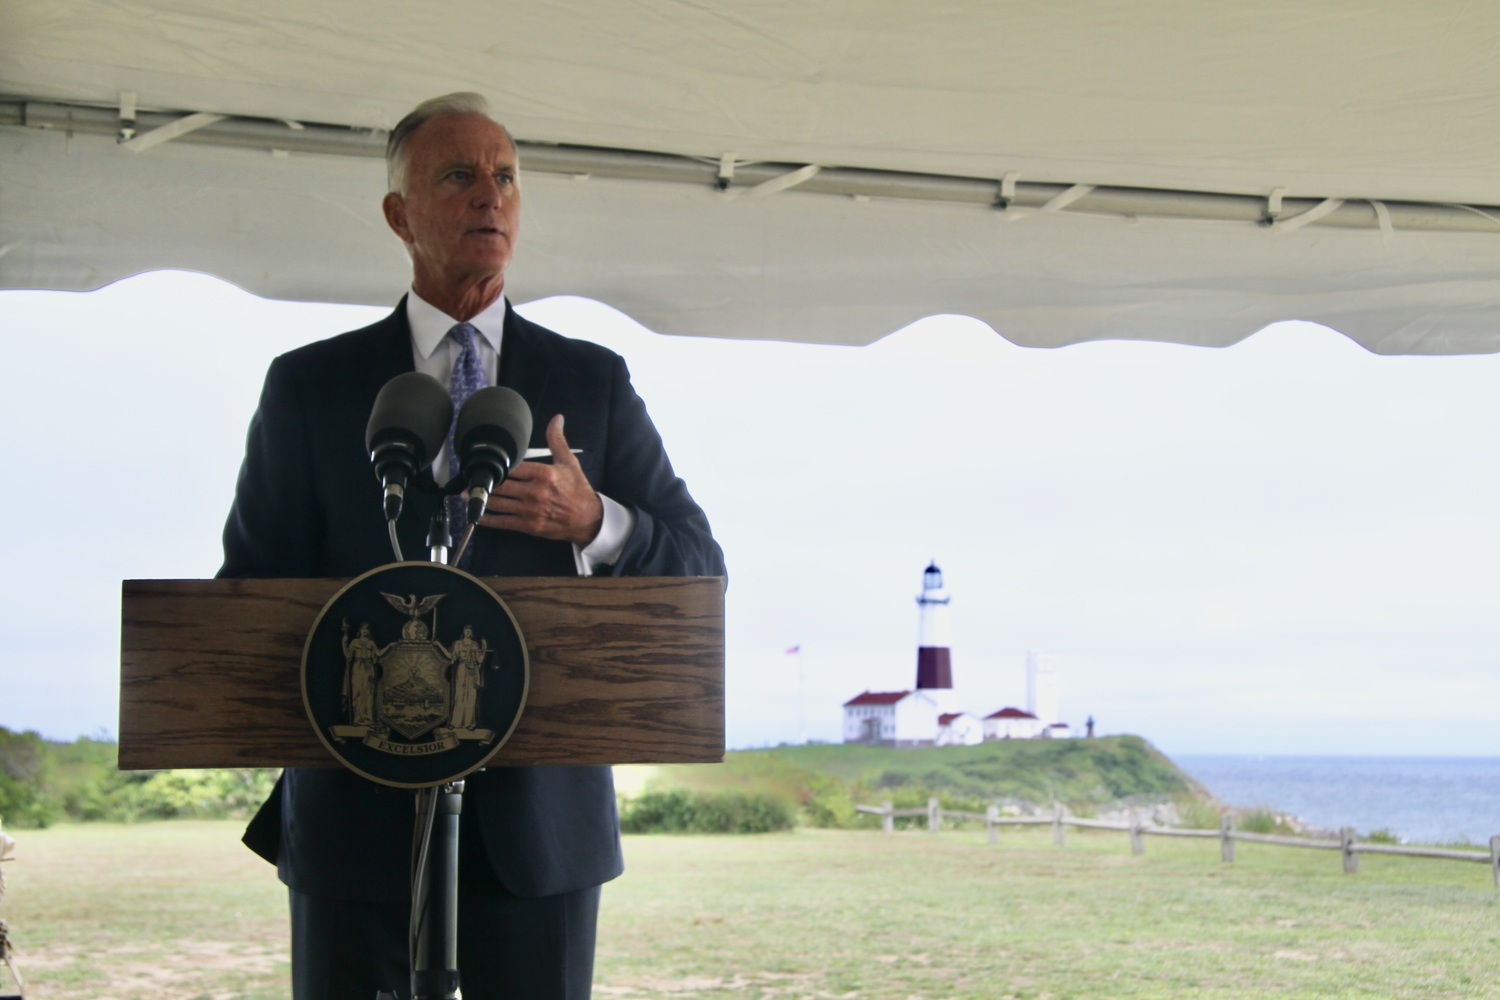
point(1347, 844)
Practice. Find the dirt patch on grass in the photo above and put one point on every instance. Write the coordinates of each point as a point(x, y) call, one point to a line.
point(762, 984)
point(196, 969)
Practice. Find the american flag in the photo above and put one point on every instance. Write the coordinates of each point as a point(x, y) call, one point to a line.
point(790, 650)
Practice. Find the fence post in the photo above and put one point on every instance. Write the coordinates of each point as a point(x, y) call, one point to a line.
point(933, 822)
point(1137, 842)
point(992, 827)
point(1346, 841)
point(888, 816)
point(1495, 858)
point(1226, 837)
point(1057, 824)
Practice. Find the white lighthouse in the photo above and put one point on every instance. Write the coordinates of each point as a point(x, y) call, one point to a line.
point(928, 715)
point(934, 659)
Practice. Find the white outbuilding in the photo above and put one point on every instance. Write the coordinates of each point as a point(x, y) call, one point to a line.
point(959, 729)
point(1011, 724)
point(892, 718)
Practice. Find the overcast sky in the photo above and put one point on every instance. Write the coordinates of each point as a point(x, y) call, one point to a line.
point(1288, 546)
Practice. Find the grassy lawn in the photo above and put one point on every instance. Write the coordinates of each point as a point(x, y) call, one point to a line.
point(814, 914)
point(161, 910)
point(179, 909)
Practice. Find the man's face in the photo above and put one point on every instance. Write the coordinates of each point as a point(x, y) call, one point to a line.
point(461, 209)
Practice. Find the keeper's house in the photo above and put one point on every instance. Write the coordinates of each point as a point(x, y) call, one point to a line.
point(891, 718)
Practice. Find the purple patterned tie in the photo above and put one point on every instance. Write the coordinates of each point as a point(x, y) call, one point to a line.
point(468, 378)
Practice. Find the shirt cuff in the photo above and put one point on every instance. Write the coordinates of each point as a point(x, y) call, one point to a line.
point(605, 549)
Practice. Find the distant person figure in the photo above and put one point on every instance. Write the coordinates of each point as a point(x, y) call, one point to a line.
point(1090, 724)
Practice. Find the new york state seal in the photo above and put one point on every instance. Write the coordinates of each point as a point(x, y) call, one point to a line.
point(390, 698)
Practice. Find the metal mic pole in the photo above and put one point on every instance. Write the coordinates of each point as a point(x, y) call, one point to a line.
point(434, 969)
point(434, 932)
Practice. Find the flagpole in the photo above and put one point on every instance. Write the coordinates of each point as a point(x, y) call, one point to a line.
point(801, 697)
point(801, 693)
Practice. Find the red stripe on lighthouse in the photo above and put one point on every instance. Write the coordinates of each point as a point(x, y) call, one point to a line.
point(934, 667)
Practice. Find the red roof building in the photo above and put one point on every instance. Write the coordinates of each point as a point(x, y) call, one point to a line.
point(1011, 724)
point(892, 718)
point(876, 698)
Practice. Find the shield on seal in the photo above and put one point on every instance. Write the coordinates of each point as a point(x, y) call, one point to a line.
point(414, 696)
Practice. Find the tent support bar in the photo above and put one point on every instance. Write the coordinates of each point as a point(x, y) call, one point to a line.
point(172, 130)
point(1009, 195)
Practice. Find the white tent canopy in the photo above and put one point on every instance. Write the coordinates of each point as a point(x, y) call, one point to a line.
point(1164, 169)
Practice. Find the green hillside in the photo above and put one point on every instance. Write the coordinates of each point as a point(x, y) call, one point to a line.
point(826, 780)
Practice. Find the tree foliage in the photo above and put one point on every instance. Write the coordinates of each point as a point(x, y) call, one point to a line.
point(23, 779)
point(44, 782)
point(681, 811)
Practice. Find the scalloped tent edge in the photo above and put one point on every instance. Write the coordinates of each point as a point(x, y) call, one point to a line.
point(771, 176)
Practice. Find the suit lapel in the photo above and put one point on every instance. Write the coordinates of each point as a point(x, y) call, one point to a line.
point(525, 368)
point(392, 348)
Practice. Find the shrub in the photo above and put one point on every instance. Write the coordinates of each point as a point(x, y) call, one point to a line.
point(206, 794)
point(1263, 819)
point(24, 771)
point(912, 797)
point(826, 802)
point(682, 811)
point(1198, 814)
point(42, 781)
point(904, 797)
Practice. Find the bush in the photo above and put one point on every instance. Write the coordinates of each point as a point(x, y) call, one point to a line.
point(913, 797)
point(25, 767)
point(1198, 814)
point(681, 811)
point(42, 782)
point(826, 802)
point(206, 794)
point(1263, 819)
point(907, 797)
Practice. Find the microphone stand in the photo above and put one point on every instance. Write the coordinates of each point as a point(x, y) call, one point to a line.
point(433, 941)
point(434, 960)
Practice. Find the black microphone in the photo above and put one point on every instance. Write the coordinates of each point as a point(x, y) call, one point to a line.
point(494, 428)
point(408, 425)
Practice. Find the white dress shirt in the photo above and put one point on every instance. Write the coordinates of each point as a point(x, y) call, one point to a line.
point(435, 353)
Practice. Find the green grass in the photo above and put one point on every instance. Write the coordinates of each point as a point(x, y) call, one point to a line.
point(848, 914)
point(160, 910)
point(180, 909)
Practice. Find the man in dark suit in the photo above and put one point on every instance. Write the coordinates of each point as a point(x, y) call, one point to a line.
point(536, 843)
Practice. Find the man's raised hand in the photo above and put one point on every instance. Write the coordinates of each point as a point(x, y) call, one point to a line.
point(550, 501)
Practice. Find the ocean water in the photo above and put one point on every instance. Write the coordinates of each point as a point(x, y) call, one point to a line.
point(1423, 800)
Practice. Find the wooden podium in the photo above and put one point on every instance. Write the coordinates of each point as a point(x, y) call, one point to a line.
point(623, 670)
